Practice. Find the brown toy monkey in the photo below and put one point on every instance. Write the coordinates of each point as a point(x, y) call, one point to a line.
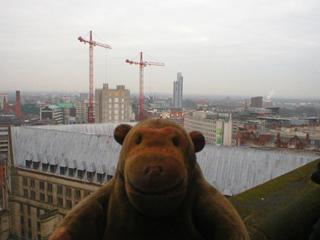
point(157, 192)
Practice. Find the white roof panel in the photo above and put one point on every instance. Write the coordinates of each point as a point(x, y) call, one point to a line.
point(91, 147)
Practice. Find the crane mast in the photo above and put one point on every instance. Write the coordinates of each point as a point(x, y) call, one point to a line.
point(142, 64)
point(91, 45)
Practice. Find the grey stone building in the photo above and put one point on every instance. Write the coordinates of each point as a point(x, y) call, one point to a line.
point(52, 168)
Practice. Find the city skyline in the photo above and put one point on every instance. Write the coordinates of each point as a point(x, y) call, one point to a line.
point(265, 48)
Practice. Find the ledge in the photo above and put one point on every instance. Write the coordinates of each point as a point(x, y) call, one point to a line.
point(283, 208)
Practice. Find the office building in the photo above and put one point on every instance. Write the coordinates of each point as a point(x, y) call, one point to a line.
point(178, 91)
point(216, 132)
point(69, 111)
point(112, 105)
point(52, 112)
point(82, 111)
point(256, 102)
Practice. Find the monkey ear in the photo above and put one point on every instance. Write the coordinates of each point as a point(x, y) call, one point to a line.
point(121, 132)
point(198, 140)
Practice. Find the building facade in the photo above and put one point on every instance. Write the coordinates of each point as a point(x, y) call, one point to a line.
point(82, 111)
point(3, 99)
point(256, 102)
point(211, 129)
point(47, 177)
point(178, 91)
point(52, 112)
point(47, 180)
point(112, 105)
point(4, 139)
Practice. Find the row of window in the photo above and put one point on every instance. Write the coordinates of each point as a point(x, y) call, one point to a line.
point(71, 172)
point(50, 198)
point(116, 100)
point(29, 224)
point(23, 235)
point(60, 193)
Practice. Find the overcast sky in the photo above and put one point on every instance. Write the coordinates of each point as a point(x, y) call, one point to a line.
point(248, 47)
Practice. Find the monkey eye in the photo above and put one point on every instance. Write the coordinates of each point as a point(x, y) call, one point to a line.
point(138, 140)
point(175, 141)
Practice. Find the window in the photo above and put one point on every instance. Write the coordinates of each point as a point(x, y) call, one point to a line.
point(39, 237)
point(29, 210)
point(25, 182)
point(30, 234)
point(42, 197)
point(22, 232)
point(78, 193)
point(71, 172)
point(29, 223)
point(32, 183)
point(28, 163)
point(100, 177)
point(109, 177)
point(68, 192)
point(22, 220)
point(33, 194)
point(42, 185)
point(90, 176)
point(45, 166)
point(50, 199)
point(81, 173)
point(49, 187)
point(25, 192)
point(59, 190)
point(63, 170)
point(69, 204)
point(38, 227)
point(36, 165)
point(53, 168)
point(60, 201)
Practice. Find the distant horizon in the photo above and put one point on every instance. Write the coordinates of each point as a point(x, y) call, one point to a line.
point(186, 95)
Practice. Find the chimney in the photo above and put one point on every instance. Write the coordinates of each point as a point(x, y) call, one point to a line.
point(18, 105)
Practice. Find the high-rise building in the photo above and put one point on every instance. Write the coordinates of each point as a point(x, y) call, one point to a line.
point(256, 102)
point(178, 91)
point(82, 111)
point(3, 99)
point(84, 97)
point(112, 105)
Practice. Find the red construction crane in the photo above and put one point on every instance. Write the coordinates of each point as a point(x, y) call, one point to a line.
point(143, 64)
point(91, 45)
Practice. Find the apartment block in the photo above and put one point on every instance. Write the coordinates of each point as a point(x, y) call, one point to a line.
point(112, 105)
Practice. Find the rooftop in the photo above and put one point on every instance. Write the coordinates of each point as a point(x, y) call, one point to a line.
point(91, 147)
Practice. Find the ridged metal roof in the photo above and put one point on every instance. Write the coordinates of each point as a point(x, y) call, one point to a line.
point(92, 148)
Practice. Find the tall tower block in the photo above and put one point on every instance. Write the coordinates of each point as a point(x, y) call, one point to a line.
point(178, 91)
point(18, 105)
